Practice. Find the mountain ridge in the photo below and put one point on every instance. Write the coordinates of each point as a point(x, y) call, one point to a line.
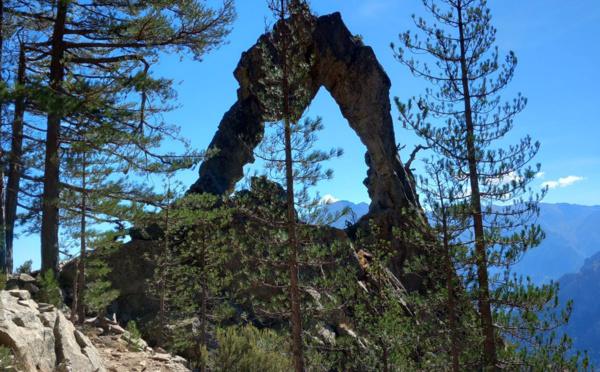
point(571, 231)
point(570, 255)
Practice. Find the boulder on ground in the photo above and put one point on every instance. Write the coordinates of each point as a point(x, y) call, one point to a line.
point(41, 337)
point(22, 281)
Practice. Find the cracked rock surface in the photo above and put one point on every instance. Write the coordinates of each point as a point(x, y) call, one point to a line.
point(42, 338)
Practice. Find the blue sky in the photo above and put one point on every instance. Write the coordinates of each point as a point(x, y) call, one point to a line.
point(556, 42)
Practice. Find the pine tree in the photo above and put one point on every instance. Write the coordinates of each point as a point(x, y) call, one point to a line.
point(98, 292)
point(3, 250)
point(463, 119)
point(15, 156)
point(283, 99)
point(249, 349)
point(78, 310)
point(191, 274)
point(105, 46)
point(446, 204)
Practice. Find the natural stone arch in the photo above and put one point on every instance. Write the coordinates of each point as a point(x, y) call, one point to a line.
point(349, 70)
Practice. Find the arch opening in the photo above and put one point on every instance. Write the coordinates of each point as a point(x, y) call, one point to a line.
point(350, 72)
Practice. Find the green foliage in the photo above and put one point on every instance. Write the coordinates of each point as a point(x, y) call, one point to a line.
point(99, 292)
point(134, 337)
point(192, 273)
point(292, 264)
point(479, 188)
point(247, 348)
point(105, 101)
point(50, 291)
point(25, 268)
point(285, 57)
point(7, 359)
point(217, 256)
point(383, 320)
point(325, 260)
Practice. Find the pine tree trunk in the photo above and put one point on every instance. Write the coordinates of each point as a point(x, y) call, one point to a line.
point(485, 312)
point(450, 274)
point(162, 306)
point(75, 303)
point(15, 165)
point(3, 266)
point(83, 245)
point(296, 318)
point(203, 305)
point(50, 216)
point(386, 364)
point(293, 259)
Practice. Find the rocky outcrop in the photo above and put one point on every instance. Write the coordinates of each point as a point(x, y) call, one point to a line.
point(41, 338)
point(349, 70)
point(22, 281)
point(131, 272)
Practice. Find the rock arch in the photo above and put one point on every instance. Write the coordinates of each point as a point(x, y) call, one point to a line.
point(349, 70)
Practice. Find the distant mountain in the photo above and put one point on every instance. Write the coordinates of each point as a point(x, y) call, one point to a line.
point(572, 245)
point(572, 236)
point(356, 211)
point(584, 289)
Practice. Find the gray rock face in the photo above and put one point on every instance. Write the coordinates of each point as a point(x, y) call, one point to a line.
point(131, 272)
point(22, 281)
point(42, 339)
point(349, 70)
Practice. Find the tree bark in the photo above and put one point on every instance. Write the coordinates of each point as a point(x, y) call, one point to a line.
point(51, 195)
point(450, 277)
point(83, 246)
point(3, 266)
point(485, 312)
point(296, 318)
point(204, 300)
point(386, 364)
point(15, 165)
point(162, 285)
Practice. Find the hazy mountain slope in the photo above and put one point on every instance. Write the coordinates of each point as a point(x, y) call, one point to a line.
point(572, 235)
point(584, 289)
point(356, 211)
point(570, 254)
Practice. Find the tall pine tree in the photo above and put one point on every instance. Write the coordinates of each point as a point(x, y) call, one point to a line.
point(91, 49)
point(463, 119)
point(283, 99)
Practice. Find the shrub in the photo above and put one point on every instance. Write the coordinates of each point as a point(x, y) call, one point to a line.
point(25, 268)
point(134, 339)
point(49, 289)
point(7, 359)
point(250, 349)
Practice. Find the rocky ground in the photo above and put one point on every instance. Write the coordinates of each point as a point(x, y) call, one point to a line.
point(119, 356)
point(42, 339)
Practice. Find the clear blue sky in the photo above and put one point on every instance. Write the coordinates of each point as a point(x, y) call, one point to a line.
point(559, 60)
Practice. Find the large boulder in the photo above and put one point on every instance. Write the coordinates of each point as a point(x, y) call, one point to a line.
point(41, 338)
point(22, 281)
point(131, 272)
